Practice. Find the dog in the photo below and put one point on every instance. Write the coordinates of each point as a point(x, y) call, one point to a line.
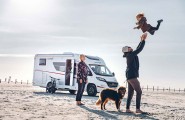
point(110, 94)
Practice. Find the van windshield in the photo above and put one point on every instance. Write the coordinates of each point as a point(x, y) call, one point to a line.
point(100, 70)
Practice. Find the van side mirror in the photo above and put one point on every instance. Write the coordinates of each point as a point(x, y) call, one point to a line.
point(113, 74)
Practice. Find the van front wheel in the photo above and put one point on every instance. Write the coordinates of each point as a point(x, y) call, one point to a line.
point(91, 90)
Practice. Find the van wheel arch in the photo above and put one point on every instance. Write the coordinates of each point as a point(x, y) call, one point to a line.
point(91, 89)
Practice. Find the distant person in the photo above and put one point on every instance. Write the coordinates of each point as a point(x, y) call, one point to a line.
point(132, 73)
point(81, 79)
point(142, 24)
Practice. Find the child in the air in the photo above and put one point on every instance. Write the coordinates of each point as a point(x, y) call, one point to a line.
point(142, 23)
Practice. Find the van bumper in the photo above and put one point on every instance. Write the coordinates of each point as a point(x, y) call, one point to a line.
point(106, 84)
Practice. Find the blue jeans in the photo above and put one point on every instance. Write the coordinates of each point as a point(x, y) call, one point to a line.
point(79, 94)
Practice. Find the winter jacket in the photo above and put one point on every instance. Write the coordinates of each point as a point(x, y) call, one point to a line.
point(132, 70)
point(143, 25)
point(82, 72)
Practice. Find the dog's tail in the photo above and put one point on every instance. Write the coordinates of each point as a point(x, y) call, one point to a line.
point(98, 102)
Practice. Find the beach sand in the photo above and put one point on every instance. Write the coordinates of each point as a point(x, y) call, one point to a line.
point(27, 102)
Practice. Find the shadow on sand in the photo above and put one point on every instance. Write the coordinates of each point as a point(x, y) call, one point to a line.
point(105, 114)
point(65, 94)
point(61, 93)
point(100, 113)
point(115, 114)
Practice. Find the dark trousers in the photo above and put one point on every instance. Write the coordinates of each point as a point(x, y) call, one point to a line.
point(133, 84)
point(79, 94)
point(153, 29)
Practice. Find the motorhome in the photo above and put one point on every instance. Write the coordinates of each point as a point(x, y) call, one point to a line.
point(62, 70)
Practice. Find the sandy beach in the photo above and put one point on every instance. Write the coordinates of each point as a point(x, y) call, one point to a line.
point(27, 102)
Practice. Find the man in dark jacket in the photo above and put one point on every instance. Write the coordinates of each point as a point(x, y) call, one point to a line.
point(132, 73)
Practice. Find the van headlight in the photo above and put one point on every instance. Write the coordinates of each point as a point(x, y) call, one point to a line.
point(101, 79)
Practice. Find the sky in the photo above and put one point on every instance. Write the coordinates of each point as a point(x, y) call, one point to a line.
point(94, 27)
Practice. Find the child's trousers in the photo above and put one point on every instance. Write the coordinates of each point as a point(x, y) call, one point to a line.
point(153, 29)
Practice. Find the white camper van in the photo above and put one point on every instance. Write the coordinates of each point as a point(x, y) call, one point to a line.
point(62, 69)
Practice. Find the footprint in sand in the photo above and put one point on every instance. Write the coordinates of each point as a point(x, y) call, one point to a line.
point(6, 100)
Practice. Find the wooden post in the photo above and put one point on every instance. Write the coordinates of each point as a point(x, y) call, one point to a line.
point(15, 81)
point(169, 88)
point(153, 88)
point(5, 80)
point(21, 81)
point(9, 79)
point(147, 87)
point(0, 80)
point(163, 89)
point(179, 89)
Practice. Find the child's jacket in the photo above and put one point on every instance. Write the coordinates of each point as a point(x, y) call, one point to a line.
point(143, 25)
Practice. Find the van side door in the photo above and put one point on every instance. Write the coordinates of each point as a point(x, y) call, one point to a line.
point(69, 75)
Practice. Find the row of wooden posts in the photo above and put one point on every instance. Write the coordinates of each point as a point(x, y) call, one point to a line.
point(9, 80)
point(143, 88)
point(153, 88)
point(163, 89)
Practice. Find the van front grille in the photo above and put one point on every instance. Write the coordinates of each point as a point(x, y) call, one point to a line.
point(112, 84)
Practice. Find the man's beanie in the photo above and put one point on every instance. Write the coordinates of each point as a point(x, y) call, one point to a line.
point(125, 49)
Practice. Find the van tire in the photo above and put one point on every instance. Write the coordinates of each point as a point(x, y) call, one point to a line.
point(72, 91)
point(91, 90)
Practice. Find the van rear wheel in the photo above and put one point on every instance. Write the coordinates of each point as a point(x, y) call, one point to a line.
point(91, 90)
point(72, 91)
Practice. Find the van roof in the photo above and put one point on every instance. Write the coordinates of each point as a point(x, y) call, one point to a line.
point(70, 54)
point(96, 59)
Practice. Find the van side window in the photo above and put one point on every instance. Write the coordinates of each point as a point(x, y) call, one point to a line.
point(42, 61)
point(60, 66)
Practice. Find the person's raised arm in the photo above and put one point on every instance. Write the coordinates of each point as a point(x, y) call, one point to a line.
point(141, 44)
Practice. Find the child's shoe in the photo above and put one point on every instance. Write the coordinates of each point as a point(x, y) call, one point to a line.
point(159, 21)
